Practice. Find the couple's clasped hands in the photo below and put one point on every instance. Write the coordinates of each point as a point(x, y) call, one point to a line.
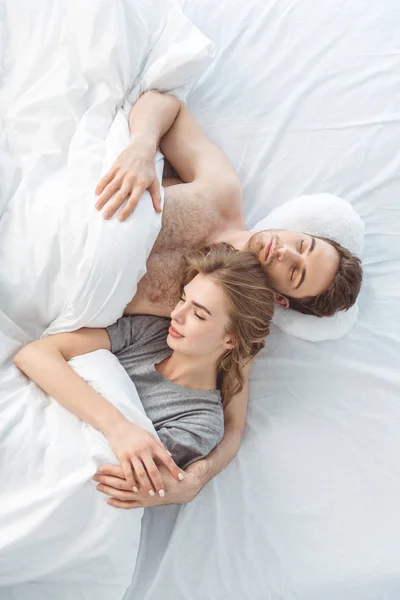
point(131, 174)
point(148, 476)
point(139, 454)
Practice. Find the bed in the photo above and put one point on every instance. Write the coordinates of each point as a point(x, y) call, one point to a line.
point(304, 97)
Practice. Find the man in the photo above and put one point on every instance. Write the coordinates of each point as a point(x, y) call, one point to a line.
point(203, 206)
point(312, 275)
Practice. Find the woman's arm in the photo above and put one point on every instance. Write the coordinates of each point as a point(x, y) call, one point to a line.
point(45, 362)
point(113, 483)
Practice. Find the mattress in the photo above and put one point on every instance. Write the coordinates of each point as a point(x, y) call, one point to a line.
point(304, 97)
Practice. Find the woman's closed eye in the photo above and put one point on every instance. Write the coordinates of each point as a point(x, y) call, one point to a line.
point(183, 299)
point(292, 273)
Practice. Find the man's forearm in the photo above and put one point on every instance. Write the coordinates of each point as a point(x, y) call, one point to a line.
point(151, 117)
point(222, 455)
point(235, 420)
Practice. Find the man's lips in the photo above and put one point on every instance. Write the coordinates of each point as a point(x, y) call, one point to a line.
point(268, 247)
point(174, 333)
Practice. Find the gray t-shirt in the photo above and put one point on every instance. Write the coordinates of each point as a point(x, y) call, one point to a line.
point(190, 422)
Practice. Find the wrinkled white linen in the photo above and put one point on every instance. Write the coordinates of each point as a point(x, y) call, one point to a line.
point(304, 98)
point(68, 74)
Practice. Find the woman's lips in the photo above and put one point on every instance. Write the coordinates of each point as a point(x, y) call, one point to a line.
point(174, 333)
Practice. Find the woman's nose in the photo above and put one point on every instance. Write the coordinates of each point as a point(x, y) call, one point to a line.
point(178, 313)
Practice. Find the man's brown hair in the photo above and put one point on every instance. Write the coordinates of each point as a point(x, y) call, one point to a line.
point(342, 293)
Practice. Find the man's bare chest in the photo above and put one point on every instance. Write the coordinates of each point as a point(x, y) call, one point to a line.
point(183, 229)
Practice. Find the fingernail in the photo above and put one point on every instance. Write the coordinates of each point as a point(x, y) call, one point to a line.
point(97, 205)
point(151, 493)
point(180, 476)
point(162, 493)
point(95, 478)
point(135, 489)
point(169, 453)
point(106, 215)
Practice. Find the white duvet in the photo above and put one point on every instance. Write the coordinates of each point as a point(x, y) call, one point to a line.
point(69, 73)
point(304, 97)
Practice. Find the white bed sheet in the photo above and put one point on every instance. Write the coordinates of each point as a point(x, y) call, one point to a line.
point(66, 68)
point(304, 97)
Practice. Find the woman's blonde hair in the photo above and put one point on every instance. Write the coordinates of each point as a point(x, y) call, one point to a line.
point(246, 287)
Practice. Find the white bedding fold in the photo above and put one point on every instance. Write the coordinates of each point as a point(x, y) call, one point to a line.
point(69, 67)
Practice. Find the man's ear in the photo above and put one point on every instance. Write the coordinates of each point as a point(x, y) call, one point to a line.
point(281, 300)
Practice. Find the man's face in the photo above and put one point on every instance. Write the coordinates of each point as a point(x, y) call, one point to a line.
point(298, 265)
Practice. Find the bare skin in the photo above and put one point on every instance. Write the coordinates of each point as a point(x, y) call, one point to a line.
point(201, 206)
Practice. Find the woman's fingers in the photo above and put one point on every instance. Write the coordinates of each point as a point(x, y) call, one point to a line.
point(114, 482)
point(122, 504)
point(114, 470)
point(142, 476)
point(164, 457)
point(127, 467)
point(115, 493)
point(154, 474)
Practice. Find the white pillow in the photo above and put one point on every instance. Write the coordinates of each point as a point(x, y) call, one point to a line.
point(327, 216)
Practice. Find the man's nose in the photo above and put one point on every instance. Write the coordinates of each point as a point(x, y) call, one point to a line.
point(286, 253)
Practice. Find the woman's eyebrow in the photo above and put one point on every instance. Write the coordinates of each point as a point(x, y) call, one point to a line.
point(202, 307)
point(312, 246)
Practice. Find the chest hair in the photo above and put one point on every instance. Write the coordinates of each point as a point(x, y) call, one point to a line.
point(186, 224)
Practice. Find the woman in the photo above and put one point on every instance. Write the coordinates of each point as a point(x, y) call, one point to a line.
point(180, 366)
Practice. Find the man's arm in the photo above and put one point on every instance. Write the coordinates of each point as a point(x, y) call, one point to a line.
point(203, 169)
point(197, 475)
point(133, 172)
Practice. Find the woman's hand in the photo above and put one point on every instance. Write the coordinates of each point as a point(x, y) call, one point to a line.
point(137, 450)
point(130, 176)
point(112, 482)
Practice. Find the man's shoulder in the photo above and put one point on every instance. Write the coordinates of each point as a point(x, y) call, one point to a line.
point(195, 213)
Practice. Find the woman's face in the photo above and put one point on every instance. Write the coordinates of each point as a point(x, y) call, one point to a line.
point(200, 320)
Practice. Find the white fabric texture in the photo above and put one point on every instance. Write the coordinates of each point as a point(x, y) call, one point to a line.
point(304, 97)
point(327, 216)
point(69, 71)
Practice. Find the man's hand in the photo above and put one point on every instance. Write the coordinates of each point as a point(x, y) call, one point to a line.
point(130, 176)
point(113, 483)
point(137, 450)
